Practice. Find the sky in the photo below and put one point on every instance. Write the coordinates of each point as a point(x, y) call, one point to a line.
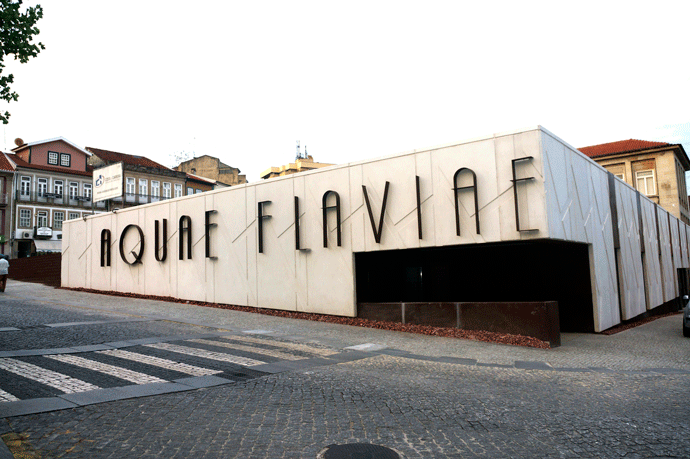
point(243, 81)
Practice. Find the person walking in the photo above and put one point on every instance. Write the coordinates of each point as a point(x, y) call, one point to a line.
point(4, 269)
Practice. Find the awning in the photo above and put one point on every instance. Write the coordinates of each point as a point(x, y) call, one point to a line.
point(48, 246)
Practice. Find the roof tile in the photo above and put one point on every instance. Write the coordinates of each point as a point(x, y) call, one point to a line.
point(21, 163)
point(622, 146)
point(115, 157)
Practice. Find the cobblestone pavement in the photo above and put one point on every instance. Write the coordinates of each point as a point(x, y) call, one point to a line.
point(596, 396)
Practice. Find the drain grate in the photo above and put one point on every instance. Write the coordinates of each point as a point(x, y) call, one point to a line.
point(358, 451)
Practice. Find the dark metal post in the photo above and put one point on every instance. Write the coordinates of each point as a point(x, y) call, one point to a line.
point(419, 208)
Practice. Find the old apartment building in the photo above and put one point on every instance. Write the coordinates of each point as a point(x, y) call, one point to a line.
point(212, 168)
point(146, 181)
point(52, 184)
point(655, 169)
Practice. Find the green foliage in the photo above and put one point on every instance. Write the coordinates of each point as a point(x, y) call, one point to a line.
point(17, 30)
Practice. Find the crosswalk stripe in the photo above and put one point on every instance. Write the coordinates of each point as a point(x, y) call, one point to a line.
point(291, 346)
point(112, 370)
point(161, 363)
point(255, 350)
point(64, 383)
point(206, 354)
point(7, 397)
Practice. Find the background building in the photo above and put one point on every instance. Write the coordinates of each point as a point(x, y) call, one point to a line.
point(211, 168)
point(6, 199)
point(145, 180)
point(303, 162)
point(52, 184)
point(300, 165)
point(655, 169)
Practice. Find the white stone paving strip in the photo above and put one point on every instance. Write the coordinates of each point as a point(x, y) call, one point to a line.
point(161, 363)
point(255, 350)
point(66, 384)
point(292, 346)
point(206, 354)
point(7, 397)
point(112, 370)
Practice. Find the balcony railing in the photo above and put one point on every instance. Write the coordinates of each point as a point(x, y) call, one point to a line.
point(56, 198)
point(134, 199)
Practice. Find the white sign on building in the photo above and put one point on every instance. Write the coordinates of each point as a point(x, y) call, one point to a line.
point(107, 182)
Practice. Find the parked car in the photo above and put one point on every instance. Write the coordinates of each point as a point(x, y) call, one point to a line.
point(686, 317)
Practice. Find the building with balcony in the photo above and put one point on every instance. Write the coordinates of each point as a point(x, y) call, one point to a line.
point(52, 183)
point(6, 180)
point(655, 169)
point(146, 181)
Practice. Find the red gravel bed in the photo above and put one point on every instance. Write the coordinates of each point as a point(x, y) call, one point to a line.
point(477, 335)
point(636, 323)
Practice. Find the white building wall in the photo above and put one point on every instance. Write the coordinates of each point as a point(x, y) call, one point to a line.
point(317, 279)
point(652, 260)
point(567, 199)
point(578, 209)
point(630, 254)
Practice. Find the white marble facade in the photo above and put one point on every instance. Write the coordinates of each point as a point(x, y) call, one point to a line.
point(567, 198)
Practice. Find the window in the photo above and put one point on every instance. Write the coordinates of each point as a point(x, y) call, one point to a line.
point(65, 159)
point(190, 191)
point(42, 187)
point(53, 158)
point(73, 190)
point(198, 191)
point(25, 189)
point(129, 188)
point(57, 188)
point(178, 190)
point(25, 218)
point(620, 176)
point(87, 191)
point(42, 218)
point(58, 218)
point(645, 182)
point(166, 190)
point(143, 187)
point(155, 188)
point(73, 215)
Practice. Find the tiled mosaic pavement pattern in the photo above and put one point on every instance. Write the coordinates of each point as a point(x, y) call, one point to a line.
point(278, 388)
point(229, 358)
point(422, 409)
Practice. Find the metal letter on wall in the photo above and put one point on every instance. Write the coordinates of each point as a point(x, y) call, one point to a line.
point(185, 226)
point(473, 187)
point(207, 235)
point(261, 219)
point(326, 208)
point(137, 256)
point(515, 193)
point(419, 208)
point(164, 249)
point(297, 241)
point(105, 248)
point(379, 231)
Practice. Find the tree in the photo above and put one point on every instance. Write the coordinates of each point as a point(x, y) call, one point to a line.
point(17, 30)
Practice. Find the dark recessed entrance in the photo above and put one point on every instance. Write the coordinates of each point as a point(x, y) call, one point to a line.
point(542, 270)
